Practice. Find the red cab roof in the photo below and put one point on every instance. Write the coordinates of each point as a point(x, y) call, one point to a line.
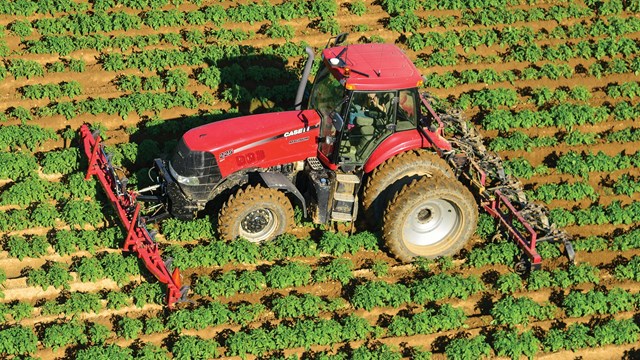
point(372, 67)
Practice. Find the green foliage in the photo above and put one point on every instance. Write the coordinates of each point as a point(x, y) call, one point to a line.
point(468, 348)
point(578, 304)
point(129, 328)
point(52, 274)
point(153, 324)
point(147, 293)
point(116, 300)
point(151, 352)
point(209, 76)
point(180, 230)
point(64, 334)
point(21, 114)
point(301, 333)
point(358, 7)
point(89, 269)
point(98, 333)
point(521, 168)
point(338, 270)
point(21, 310)
point(18, 340)
point(230, 283)
point(509, 283)
point(511, 311)
point(513, 344)
point(428, 321)
point(51, 91)
point(338, 244)
point(82, 303)
point(25, 68)
point(295, 306)
point(503, 252)
point(380, 268)
point(379, 293)
point(287, 246)
point(14, 137)
point(65, 161)
point(104, 352)
point(278, 31)
point(81, 212)
point(21, 247)
point(290, 274)
point(194, 348)
point(118, 267)
point(442, 286)
point(563, 191)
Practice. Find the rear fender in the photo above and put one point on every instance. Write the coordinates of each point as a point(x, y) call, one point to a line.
point(404, 141)
point(395, 144)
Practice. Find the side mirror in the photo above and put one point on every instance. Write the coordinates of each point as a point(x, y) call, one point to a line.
point(329, 140)
point(341, 38)
point(338, 121)
point(391, 127)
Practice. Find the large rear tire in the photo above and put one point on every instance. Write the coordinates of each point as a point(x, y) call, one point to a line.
point(255, 213)
point(430, 218)
point(389, 177)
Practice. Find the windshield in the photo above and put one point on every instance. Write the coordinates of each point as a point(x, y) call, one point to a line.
point(327, 93)
point(326, 96)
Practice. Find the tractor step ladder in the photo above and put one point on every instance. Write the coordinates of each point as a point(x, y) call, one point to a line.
point(345, 198)
point(315, 164)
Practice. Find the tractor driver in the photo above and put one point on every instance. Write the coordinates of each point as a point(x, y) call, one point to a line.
point(365, 105)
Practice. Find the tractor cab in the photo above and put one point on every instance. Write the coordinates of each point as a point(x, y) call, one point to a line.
point(364, 93)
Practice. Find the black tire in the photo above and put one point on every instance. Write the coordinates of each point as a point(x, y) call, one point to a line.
point(255, 213)
point(388, 178)
point(430, 218)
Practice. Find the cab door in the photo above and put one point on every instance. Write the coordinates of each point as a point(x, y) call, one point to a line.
point(370, 118)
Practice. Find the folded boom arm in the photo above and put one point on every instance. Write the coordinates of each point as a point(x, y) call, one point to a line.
point(138, 239)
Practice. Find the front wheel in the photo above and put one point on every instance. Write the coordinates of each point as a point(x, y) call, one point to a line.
point(255, 213)
point(429, 218)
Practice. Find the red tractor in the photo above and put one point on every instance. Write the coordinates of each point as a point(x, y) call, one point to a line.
point(368, 142)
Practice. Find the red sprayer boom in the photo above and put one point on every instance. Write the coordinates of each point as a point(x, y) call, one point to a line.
point(138, 239)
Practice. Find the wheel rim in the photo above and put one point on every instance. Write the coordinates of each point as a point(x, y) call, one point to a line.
point(258, 225)
point(431, 222)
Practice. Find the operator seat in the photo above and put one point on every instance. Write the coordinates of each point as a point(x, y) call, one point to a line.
point(358, 138)
point(363, 133)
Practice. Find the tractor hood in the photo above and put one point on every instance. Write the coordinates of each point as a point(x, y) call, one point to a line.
point(258, 141)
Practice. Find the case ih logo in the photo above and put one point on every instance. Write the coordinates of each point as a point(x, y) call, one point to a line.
point(297, 131)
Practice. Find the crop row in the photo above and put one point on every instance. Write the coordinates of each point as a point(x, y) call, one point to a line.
point(535, 53)
point(316, 331)
point(28, 68)
point(511, 36)
point(518, 140)
point(579, 164)
point(597, 214)
point(75, 303)
point(403, 18)
point(87, 23)
point(14, 137)
point(565, 115)
point(550, 71)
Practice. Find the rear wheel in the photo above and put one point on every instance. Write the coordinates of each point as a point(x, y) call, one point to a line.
point(389, 177)
point(255, 213)
point(430, 218)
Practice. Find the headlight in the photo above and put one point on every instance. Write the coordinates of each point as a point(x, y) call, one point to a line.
point(193, 180)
